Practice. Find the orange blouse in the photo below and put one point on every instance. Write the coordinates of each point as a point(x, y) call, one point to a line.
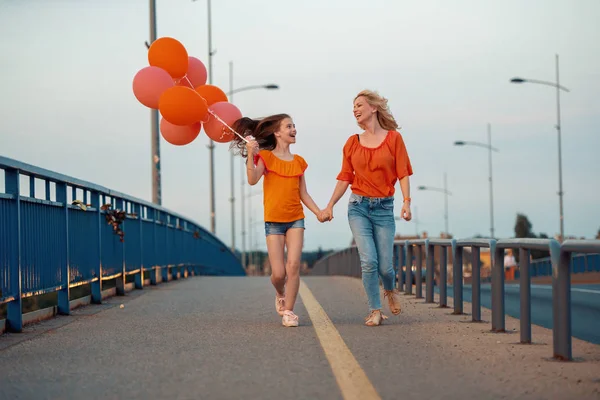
point(281, 187)
point(373, 171)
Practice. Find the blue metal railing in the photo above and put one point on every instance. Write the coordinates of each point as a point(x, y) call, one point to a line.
point(346, 262)
point(54, 236)
point(580, 263)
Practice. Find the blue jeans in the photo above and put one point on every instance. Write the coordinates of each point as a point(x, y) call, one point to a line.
point(281, 228)
point(373, 227)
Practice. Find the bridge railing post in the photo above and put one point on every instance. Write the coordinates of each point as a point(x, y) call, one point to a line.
point(476, 284)
point(525, 294)
point(139, 277)
point(96, 202)
point(443, 276)
point(120, 280)
point(14, 312)
point(164, 266)
point(561, 301)
point(430, 266)
point(151, 261)
point(418, 272)
point(63, 294)
point(399, 270)
point(457, 277)
point(498, 318)
point(409, 254)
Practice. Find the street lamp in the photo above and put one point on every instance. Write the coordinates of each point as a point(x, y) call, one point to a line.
point(558, 130)
point(446, 193)
point(490, 149)
point(270, 86)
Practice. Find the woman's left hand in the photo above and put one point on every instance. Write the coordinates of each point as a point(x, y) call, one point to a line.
point(405, 213)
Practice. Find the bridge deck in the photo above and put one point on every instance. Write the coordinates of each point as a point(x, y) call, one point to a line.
point(220, 338)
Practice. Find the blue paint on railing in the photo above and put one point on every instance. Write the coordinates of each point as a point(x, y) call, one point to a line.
point(49, 244)
point(580, 263)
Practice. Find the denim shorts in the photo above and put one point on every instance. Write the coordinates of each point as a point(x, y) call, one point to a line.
point(281, 228)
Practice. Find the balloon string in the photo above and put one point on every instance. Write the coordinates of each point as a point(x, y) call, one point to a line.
point(211, 112)
point(218, 118)
point(186, 78)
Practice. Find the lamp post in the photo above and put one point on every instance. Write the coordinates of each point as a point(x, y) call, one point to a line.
point(154, 137)
point(446, 194)
point(490, 149)
point(211, 144)
point(558, 130)
point(270, 86)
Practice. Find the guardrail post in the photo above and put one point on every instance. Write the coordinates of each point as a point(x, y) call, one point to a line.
point(32, 187)
point(443, 277)
point(498, 318)
point(165, 267)
point(97, 285)
point(429, 274)
point(139, 278)
point(561, 301)
point(171, 266)
point(457, 276)
point(476, 284)
point(120, 284)
point(525, 291)
point(418, 274)
point(199, 257)
point(63, 294)
point(401, 261)
point(409, 253)
point(151, 214)
point(14, 312)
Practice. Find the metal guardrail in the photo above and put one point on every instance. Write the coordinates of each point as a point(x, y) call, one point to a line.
point(55, 236)
point(580, 263)
point(346, 262)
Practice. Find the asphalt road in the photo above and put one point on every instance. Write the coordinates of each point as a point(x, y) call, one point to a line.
point(220, 338)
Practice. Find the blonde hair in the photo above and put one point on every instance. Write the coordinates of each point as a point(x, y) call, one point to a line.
point(384, 116)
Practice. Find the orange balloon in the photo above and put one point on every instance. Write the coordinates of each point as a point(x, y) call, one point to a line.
point(182, 106)
point(169, 54)
point(211, 94)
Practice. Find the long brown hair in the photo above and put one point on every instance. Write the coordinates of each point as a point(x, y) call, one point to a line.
point(384, 116)
point(263, 131)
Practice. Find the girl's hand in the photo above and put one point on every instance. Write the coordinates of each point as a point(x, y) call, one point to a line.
point(252, 148)
point(405, 213)
point(326, 214)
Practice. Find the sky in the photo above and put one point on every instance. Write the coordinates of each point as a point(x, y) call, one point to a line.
point(66, 71)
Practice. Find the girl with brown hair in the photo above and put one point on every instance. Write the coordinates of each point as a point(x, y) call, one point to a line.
point(284, 191)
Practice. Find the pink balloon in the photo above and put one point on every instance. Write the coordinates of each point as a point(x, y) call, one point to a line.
point(149, 83)
point(196, 74)
point(214, 128)
point(179, 135)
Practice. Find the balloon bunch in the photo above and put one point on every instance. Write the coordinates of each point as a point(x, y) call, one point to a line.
point(175, 84)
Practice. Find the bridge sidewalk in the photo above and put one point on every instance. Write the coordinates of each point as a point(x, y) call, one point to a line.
point(220, 338)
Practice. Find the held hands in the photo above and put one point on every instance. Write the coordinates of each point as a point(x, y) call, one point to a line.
point(325, 215)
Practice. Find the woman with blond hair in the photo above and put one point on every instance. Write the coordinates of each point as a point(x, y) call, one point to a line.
point(372, 163)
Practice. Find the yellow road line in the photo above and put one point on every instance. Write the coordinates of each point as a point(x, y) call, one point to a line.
point(350, 377)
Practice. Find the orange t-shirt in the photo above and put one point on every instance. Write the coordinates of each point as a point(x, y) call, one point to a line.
point(281, 187)
point(373, 171)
